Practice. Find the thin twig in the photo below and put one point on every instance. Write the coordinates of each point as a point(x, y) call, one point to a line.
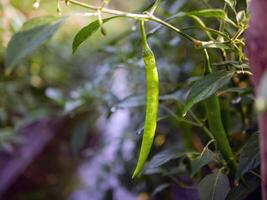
point(145, 16)
point(205, 129)
point(110, 11)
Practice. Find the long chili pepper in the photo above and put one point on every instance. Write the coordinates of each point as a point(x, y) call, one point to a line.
point(215, 123)
point(152, 101)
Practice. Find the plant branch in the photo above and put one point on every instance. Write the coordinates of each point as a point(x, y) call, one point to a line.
point(202, 125)
point(196, 42)
point(145, 16)
point(110, 11)
point(155, 6)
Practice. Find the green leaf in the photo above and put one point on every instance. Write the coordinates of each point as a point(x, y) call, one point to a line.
point(203, 159)
point(32, 34)
point(163, 157)
point(250, 155)
point(217, 13)
point(245, 188)
point(205, 87)
point(214, 187)
point(86, 32)
point(241, 91)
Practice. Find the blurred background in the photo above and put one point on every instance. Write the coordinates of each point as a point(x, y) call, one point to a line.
point(70, 125)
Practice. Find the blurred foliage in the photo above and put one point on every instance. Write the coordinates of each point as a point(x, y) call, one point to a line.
point(184, 161)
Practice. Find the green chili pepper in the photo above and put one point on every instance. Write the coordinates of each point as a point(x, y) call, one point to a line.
point(215, 123)
point(151, 102)
point(225, 113)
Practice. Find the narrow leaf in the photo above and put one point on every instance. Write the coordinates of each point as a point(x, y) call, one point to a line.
point(214, 187)
point(86, 32)
point(250, 155)
point(32, 34)
point(245, 188)
point(205, 87)
point(217, 13)
point(163, 157)
point(203, 159)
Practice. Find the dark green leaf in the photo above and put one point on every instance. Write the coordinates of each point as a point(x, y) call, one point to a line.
point(86, 32)
point(205, 87)
point(203, 159)
point(244, 189)
point(163, 157)
point(250, 155)
point(214, 187)
point(32, 34)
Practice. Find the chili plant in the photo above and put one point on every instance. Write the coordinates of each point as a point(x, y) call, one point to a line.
point(212, 102)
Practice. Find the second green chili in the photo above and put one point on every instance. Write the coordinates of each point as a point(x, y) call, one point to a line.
point(215, 123)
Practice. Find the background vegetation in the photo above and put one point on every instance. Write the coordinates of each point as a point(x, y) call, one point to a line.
point(82, 92)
